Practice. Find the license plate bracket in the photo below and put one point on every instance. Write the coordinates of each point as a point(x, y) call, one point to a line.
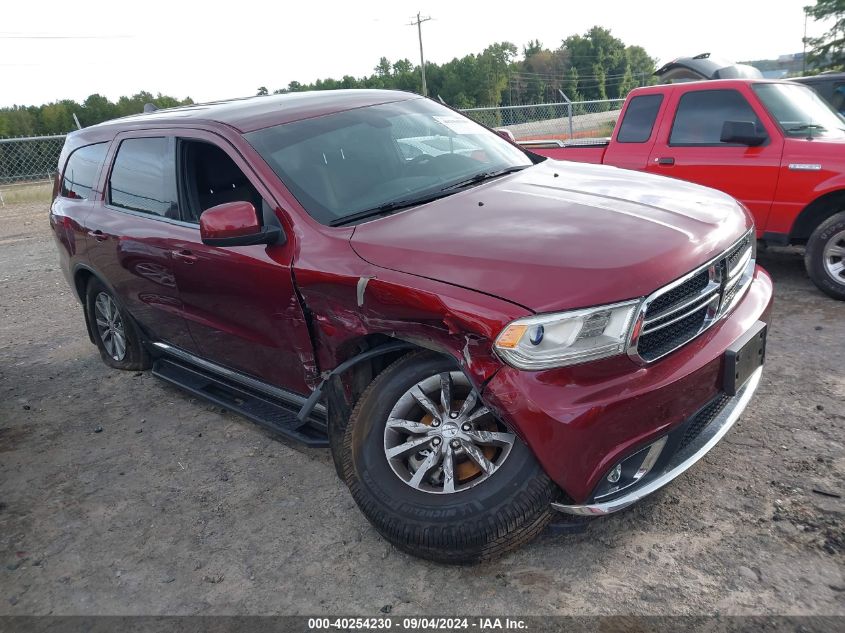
point(744, 357)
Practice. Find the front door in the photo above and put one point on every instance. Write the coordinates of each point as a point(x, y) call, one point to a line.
point(689, 147)
point(240, 302)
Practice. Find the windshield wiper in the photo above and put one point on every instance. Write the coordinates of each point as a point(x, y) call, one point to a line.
point(484, 175)
point(398, 205)
point(388, 207)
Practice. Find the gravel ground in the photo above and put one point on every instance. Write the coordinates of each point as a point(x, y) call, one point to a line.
point(176, 507)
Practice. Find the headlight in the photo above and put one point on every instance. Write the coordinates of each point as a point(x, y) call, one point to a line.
point(567, 338)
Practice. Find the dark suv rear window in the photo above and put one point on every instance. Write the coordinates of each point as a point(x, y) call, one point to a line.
point(144, 177)
point(81, 171)
point(639, 119)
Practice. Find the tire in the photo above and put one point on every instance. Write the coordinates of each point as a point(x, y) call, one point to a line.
point(115, 333)
point(825, 256)
point(487, 514)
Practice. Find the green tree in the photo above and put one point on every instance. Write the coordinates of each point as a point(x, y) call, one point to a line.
point(599, 88)
point(642, 65)
point(57, 118)
point(627, 84)
point(571, 86)
point(96, 109)
point(383, 68)
point(601, 62)
point(262, 91)
point(532, 48)
point(493, 66)
point(828, 52)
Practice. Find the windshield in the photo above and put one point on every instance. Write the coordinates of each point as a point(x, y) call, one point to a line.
point(347, 163)
point(800, 111)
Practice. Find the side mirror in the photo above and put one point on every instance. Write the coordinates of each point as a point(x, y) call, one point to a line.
point(742, 133)
point(235, 224)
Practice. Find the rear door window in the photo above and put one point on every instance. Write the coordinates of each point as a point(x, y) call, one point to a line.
point(701, 115)
point(639, 119)
point(81, 171)
point(143, 178)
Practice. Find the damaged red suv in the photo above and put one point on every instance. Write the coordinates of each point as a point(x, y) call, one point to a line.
point(483, 337)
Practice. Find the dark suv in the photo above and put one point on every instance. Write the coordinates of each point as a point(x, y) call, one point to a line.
point(480, 335)
point(830, 85)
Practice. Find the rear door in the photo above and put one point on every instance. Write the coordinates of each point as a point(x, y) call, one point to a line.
point(688, 147)
point(135, 232)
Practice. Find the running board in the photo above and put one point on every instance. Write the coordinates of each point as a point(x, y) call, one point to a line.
point(269, 412)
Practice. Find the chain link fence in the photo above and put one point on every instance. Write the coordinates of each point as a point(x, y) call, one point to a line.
point(563, 121)
point(27, 164)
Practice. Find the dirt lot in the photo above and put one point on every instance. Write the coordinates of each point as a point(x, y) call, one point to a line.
point(178, 508)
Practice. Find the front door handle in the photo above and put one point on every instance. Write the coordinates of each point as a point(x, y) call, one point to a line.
point(184, 255)
point(98, 235)
point(665, 160)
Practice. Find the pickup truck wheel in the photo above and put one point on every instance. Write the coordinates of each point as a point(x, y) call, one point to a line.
point(115, 333)
point(825, 256)
point(435, 472)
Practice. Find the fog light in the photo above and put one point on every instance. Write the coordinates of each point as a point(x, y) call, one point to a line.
point(630, 470)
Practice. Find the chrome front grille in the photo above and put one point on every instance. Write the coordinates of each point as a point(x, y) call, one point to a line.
point(681, 311)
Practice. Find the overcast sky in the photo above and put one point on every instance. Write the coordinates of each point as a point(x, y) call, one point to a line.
point(215, 49)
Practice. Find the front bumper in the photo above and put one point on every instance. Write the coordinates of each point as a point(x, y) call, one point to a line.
point(680, 461)
point(580, 421)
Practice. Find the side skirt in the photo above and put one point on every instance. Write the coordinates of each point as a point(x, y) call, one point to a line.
point(253, 401)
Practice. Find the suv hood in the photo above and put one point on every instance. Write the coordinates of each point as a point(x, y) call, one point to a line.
point(559, 235)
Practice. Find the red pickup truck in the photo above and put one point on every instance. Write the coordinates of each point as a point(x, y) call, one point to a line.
point(773, 145)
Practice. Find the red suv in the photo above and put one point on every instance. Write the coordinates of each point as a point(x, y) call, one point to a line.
point(481, 336)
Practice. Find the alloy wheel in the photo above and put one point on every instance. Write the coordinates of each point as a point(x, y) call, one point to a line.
point(440, 438)
point(834, 257)
point(110, 326)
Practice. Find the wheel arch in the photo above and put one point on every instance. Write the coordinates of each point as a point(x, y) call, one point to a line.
point(82, 276)
point(815, 213)
point(343, 388)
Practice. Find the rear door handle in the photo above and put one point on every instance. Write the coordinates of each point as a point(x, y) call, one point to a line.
point(98, 235)
point(184, 255)
point(665, 160)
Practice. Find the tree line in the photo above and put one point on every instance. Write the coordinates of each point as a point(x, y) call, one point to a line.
point(592, 66)
point(57, 117)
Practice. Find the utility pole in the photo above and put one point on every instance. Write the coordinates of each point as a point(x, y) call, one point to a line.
point(418, 24)
point(804, 56)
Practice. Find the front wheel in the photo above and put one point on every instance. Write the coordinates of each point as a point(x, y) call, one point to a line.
point(825, 256)
point(435, 472)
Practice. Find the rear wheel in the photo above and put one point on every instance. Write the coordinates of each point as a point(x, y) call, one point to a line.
point(825, 256)
point(435, 471)
point(115, 333)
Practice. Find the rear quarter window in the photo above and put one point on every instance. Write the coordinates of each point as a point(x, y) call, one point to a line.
point(639, 119)
point(81, 171)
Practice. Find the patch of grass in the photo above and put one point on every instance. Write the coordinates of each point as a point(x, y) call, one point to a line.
point(36, 192)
